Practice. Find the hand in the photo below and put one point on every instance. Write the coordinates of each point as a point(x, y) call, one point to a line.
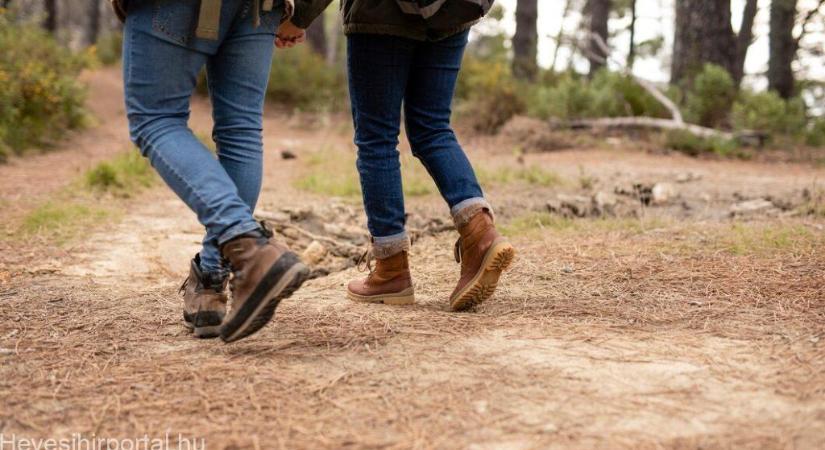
point(289, 35)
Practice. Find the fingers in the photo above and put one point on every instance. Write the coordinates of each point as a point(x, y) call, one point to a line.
point(289, 40)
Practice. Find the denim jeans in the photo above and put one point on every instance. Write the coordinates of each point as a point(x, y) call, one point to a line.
point(384, 72)
point(161, 62)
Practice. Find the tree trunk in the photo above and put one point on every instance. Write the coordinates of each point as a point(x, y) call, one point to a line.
point(317, 36)
point(560, 34)
point(599, 13)
point(94, 22)
point(782, 47)
point(6, 4)
point(703, 35)
point(50, 23)
point(743, 40)
point(525, 41)
point(631, 52)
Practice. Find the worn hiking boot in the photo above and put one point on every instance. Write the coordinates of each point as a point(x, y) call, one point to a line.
point(264, 272)
point(389, 282)
point(483, 254)
point(204, 301)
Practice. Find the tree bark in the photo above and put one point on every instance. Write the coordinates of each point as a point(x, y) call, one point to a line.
point(50, 22)
point(94, 22)
point(317, 36)
point(525, 40)
point(631, 52)
point(560, 34)
point(743, 40)
point(599, 11)
point(703, 35)
point(782, 47)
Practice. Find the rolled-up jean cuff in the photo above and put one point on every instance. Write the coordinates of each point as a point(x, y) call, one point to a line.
point(237, 230)
point(466, 209)
point(386, 246)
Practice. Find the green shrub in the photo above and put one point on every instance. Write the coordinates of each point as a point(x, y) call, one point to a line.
point(40, 97)
point(490, 94)
point(709, 100)
point(690, 144)
point(301, 79)
point(608, 94)
point(109, 48)
point(815, 135)
point(767, 111)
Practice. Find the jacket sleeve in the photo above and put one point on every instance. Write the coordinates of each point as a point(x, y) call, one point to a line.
point(306, 11)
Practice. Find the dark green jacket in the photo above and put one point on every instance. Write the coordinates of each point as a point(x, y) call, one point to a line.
point(375, 17)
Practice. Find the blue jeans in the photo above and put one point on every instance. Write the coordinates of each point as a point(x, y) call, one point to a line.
point(161, 62)
point(384, 72)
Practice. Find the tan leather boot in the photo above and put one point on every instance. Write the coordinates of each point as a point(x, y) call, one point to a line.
point(204, 301)
point(483, 254)
point(264, 272)
point(390, 282)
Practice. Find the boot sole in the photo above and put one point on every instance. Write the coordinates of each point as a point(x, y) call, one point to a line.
point(405, 297)
point(259, 309)
point(204, 331)
point(483, 285)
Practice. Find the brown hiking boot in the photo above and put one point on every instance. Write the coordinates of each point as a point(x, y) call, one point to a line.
point(483, 254)
point(204, 301)
point(264, 272)
point(390, 282)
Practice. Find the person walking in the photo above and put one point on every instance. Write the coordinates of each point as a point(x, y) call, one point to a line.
point(166, 43)
point(406, 54)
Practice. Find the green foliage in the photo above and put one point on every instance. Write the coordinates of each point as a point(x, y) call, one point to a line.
point(815, 135)
point(608, 94)
point(767, 111)
point(301, 79)
point(533, 175)
point(40, 97)
point(123, 175)
point(690, 144)
point(709, 100)
point(109, 48)
point(491, 95)
point(58, 218)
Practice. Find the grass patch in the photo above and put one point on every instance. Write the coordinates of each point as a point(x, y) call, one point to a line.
point(332, 173)
point(61, 219)
point(532, 175)
point(765, 239)
point(538, 222)
point(692, 145)
point(123, 175)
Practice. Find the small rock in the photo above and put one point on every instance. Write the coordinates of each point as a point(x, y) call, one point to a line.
point(751, 206)
point(687, 177)
point(605, 202)
point(314, 253)
point(288, 154)
point(662, 193)
point(567, 269)
point(577, 205)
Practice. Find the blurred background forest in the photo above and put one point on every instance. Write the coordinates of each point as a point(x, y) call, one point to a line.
point(749, 73)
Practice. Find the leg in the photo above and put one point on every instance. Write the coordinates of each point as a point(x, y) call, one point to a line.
point(159, 78)
point(427, 108)
point(378, 69)
point(482, 252)
point(238, 101)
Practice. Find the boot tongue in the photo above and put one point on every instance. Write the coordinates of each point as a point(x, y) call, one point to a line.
point(214, 280)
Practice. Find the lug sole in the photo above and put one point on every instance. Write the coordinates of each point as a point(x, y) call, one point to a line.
point(203, 331)
point(405, 297)
point(291, 280)
point(497, 259)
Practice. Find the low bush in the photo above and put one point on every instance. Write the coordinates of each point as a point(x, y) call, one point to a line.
point(109, 48)
point(488, 93)
point(40, 96)
point(709, 100)
point(122, 175)
point(767, 111)
point(301, 79)
point(692, 145)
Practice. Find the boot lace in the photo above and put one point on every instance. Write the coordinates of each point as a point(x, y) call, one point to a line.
point(365, 261)
point(457, 251)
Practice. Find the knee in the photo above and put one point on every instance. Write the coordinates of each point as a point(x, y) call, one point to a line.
point(145, 130)
point(424, 140)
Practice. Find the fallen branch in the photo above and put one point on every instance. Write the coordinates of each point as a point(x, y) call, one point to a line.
point(652, 123)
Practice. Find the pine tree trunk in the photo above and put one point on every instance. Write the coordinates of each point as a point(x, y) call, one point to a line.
point(743, 40)
point(94, 22)
point(782, 47)
point(317, 36)
point(50, 23)
point(631, 52)
point(703, 35)
point(525, 41)
point(599, 14)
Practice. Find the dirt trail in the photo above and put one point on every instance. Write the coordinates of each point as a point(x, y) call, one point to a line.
point(652, 336)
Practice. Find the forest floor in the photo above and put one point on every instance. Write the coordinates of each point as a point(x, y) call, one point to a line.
point(657, 301)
